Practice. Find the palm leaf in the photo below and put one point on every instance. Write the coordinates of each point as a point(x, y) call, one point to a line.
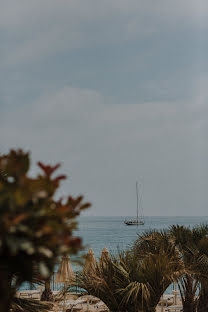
point(29, 305)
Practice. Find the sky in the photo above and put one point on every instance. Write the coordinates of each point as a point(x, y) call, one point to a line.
point(114, 90)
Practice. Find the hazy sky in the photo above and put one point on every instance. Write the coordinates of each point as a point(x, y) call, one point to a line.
point(115, 90)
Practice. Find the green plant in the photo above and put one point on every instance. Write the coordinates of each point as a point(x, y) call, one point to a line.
point(193, 245)
point(29, 305)
point(132, 281)
point(162, 261)
point(35, 228)
point(188, 283)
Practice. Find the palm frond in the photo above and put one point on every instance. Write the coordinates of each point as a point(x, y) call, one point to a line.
point(29, 305)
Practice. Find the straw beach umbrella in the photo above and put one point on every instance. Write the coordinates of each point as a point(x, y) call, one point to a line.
point(89, 266)
point(104, 255)
point(65, 274)
point(90, 262)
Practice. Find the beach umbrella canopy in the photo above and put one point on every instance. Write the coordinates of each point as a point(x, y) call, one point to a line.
point(104, 255)
point(90, 262)
point(65, 273)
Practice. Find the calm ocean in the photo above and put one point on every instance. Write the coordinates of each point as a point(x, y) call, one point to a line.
point(111, 232)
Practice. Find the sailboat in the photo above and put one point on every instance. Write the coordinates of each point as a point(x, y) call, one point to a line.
point(139, 219)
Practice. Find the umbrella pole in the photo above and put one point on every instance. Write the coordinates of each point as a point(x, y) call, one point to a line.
point(87, 304)
point(162, 305)
point(64, 297)
point(175, 295)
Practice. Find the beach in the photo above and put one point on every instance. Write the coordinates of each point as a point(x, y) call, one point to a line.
point(87, 303)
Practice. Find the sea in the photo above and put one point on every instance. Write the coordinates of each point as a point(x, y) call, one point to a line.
point(112, 233)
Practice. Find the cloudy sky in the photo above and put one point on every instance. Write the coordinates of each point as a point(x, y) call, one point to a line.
point(114, 90)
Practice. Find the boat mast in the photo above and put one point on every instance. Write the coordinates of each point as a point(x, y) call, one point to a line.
point(137, 201)
point(140, 199)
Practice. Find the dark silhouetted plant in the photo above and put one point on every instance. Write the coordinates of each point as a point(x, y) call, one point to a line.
point(35, 228)
point(133, 280)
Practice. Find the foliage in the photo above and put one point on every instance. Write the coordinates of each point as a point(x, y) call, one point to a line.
point(188, 283)
point(35, 228)
point(29, 305)
point(163, 262)
point(110, 281)
point(189, 247)
point(136, 279)
point(133, 280)
point(193, 246)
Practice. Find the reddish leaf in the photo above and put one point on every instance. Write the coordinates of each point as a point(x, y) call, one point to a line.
point(19, 218)
point(47, 169)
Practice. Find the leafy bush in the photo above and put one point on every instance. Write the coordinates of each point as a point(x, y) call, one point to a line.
point(35, 228)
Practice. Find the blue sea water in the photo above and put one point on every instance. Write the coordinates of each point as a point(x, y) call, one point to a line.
point(112, 233)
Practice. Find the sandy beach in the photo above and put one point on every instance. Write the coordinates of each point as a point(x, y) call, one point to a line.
point(88, 303)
